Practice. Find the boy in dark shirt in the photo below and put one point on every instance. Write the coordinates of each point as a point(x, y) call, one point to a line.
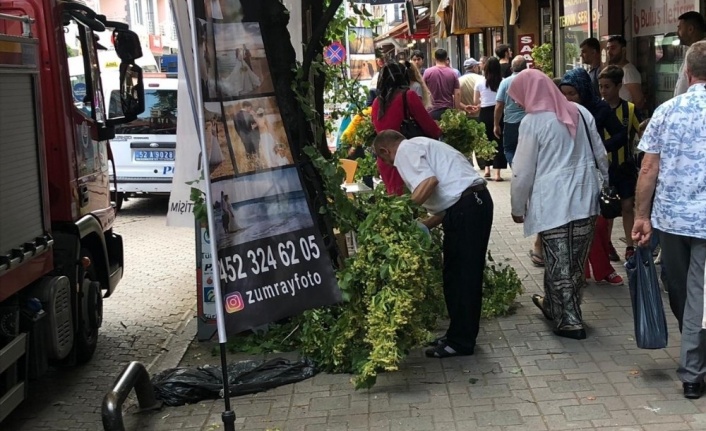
point(623, 170)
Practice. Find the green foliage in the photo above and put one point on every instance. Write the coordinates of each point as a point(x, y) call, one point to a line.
point(392, 288)
point(366, 166)
point(360, 131)
point(543, 56)
point(198, 197)
point(343, 211)
point(571, 53)
point(466, 135)
point(501, 285)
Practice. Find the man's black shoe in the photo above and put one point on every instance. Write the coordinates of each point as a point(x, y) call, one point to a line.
point(693, 391)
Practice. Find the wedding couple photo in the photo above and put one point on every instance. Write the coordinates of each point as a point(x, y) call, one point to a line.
point(257, 134)
point(253, 207)
point(207, 59)
point(241, 61)
point(218, 152)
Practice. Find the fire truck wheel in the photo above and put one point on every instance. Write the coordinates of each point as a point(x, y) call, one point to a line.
point(91, 314)
point(119, 198)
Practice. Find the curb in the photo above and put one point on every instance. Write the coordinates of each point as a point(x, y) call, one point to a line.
point(175, 346)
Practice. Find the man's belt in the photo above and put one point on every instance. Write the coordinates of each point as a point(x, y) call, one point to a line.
point(473, 189)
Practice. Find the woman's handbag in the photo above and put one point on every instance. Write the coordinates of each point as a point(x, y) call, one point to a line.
point(609, 199)
point(409, 127)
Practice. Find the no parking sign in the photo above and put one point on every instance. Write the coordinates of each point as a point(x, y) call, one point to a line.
point(335, 53)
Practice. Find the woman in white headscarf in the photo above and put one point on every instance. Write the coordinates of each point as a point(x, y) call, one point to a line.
point(555, 192)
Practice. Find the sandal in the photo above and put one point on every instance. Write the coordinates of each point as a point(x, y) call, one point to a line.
point(486, 175)
point(497, 180)
point(443, 350)
point(536, 259)
point(538, 300)
point(437, 341)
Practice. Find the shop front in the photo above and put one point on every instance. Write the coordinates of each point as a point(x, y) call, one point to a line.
point(657, 53)
point(648, 25)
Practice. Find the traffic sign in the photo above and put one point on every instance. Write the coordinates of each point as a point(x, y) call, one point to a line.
point(335, 53)
point(79, 91)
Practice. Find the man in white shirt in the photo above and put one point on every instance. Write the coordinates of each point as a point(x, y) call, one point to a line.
point(674, 171)
point(632, 81)
point(691, 28)
point(446, 184)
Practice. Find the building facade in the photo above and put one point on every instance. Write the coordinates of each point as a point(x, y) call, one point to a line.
point(152, 20)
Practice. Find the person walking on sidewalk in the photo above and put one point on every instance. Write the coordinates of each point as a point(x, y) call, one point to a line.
point(443, 85)
point(576, 87)
point(486, 93)
point(508, 113)
point(623, 170)
point(444, 182)
point(674, 170)
point(556, 156)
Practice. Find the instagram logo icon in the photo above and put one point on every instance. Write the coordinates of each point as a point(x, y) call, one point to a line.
point(234, 302)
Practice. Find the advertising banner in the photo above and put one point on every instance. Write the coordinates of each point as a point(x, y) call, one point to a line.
point(270, 257)
point(659, 16)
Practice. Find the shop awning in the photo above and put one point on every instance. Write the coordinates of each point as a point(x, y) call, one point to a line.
point(401, 31)
point(468, 16)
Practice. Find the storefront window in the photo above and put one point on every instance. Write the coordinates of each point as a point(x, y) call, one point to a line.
point(575, 21)
point(657, 51)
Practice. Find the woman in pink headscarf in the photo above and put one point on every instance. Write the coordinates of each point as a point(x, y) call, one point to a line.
point(555, 191)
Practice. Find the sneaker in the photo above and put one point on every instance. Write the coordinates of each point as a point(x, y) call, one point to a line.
point(613, 254)
point(629, 252)
point(613, 279)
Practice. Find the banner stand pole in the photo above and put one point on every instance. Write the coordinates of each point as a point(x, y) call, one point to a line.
point(228, 415)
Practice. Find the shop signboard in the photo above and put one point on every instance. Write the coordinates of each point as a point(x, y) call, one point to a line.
point(652, 17)
point(263, 257)
point(575, 13)
point(525, 43)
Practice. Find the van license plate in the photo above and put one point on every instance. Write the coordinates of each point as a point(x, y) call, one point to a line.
point(158, 156)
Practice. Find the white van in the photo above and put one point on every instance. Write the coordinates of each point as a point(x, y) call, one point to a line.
point(144, 149)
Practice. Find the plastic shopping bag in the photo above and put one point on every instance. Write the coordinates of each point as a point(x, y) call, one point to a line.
point(647, 308)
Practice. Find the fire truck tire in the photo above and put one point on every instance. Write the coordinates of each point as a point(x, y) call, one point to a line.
point(119, 199)
point(90, 314)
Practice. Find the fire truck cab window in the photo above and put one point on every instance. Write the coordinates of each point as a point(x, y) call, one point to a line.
point(83, 73)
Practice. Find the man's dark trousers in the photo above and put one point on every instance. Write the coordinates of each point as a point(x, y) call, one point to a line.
point(466, 234)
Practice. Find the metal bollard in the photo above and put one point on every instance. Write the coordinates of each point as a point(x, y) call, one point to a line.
point(134, 376)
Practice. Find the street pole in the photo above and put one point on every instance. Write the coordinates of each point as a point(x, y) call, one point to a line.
point(228, 415)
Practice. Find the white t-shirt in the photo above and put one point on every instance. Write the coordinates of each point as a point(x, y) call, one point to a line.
point(487, 96)
point(420, 158)
point(630, 76)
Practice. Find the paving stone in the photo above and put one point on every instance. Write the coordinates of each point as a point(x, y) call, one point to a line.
point(570, 385)
point(681, 407)
point(526, 379)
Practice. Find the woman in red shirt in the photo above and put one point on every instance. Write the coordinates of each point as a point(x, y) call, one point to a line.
point(388, 113)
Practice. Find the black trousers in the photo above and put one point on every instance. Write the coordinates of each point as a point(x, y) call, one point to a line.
point(486, 117)
point(466, 234)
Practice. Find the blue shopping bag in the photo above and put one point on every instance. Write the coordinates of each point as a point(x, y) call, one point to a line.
point(646, 297)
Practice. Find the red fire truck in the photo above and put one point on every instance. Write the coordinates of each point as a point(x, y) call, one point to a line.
point(59, 256)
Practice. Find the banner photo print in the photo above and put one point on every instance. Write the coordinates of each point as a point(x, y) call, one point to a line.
point(271, 262)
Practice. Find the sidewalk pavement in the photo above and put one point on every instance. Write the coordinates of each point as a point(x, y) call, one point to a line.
point(521, 377)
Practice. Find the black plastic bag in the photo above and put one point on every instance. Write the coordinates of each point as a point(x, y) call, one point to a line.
point(179, 386)
point(646, 297)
